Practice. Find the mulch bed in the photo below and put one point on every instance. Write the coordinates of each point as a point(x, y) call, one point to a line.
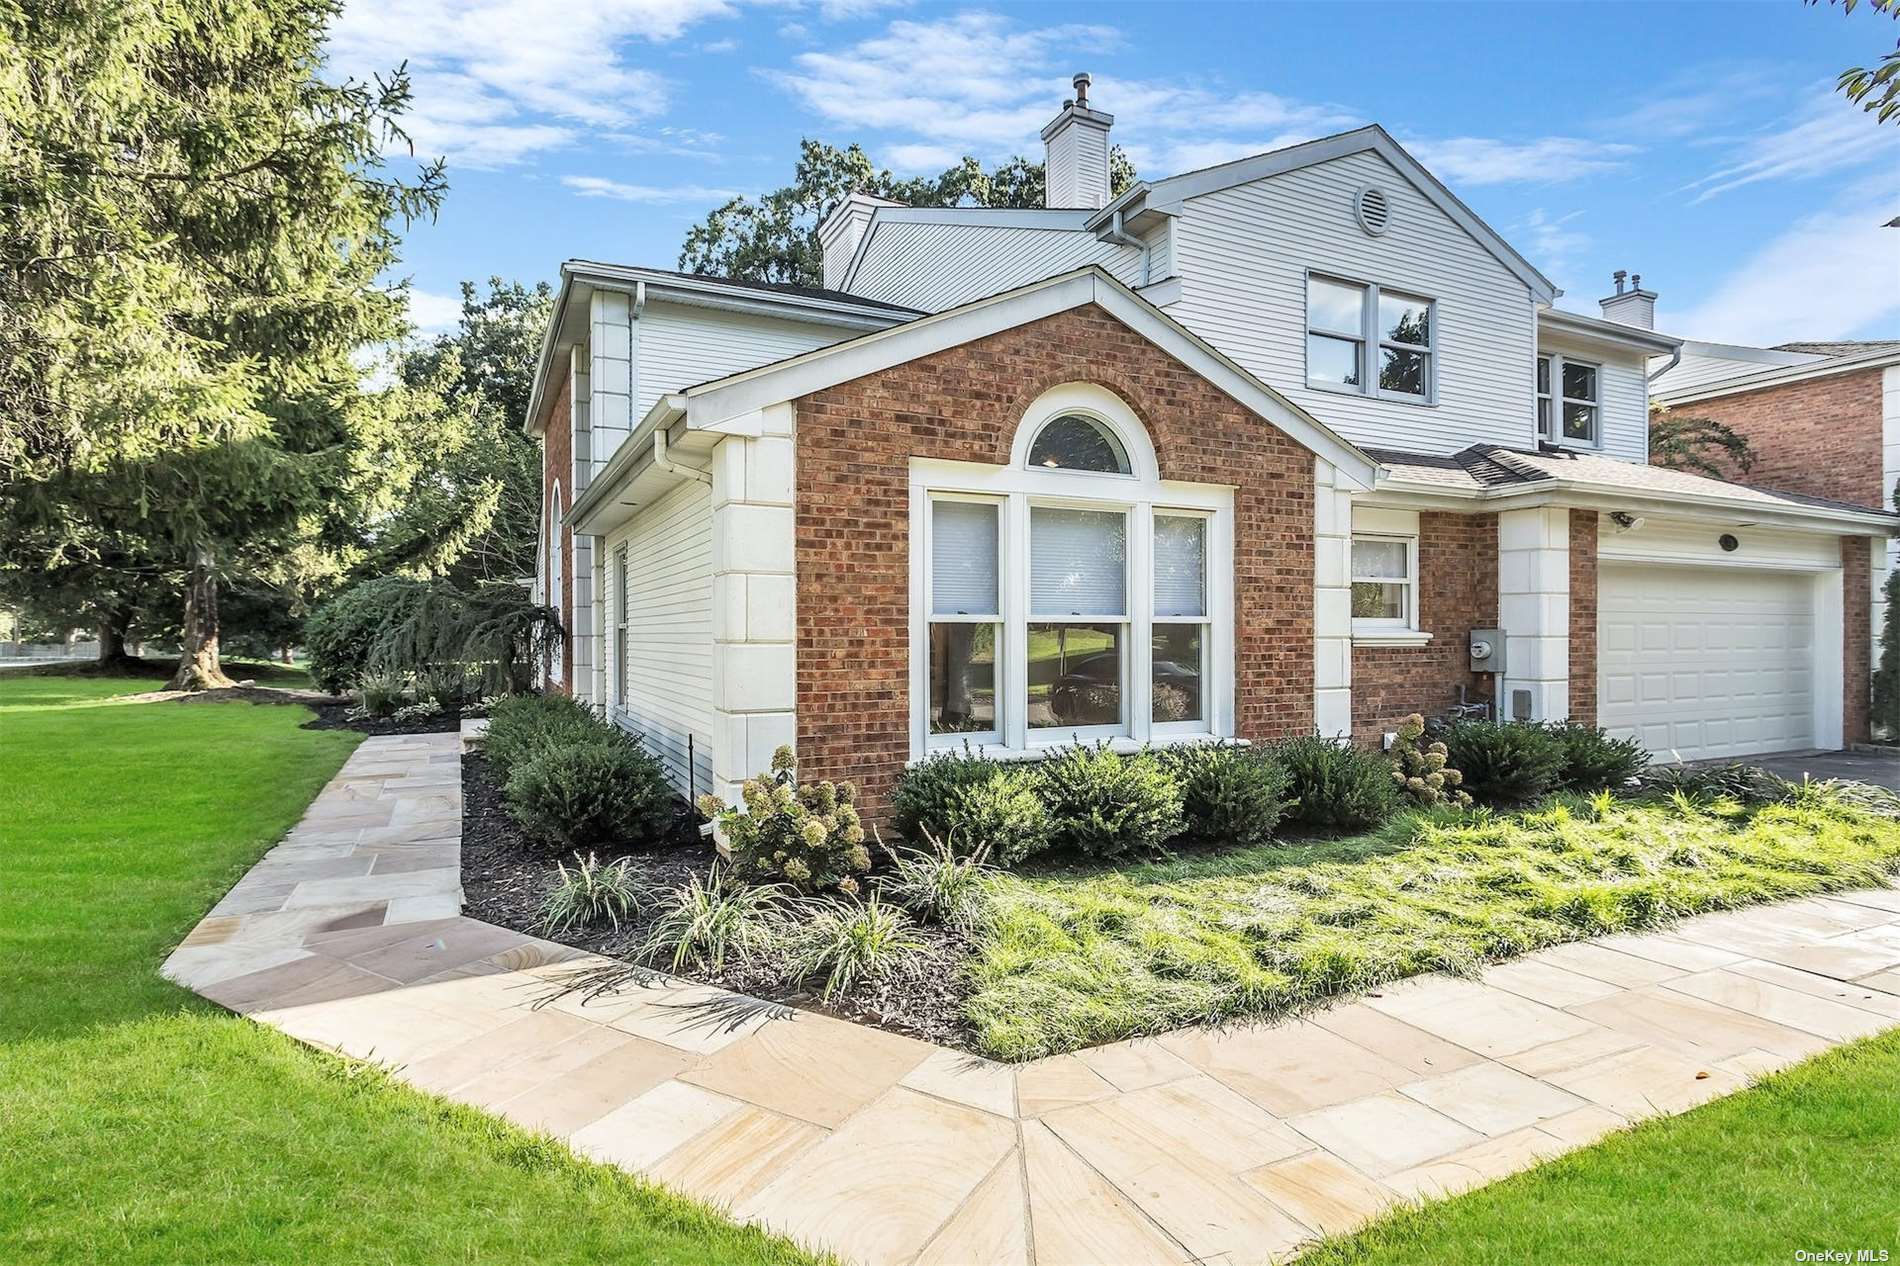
point(334, 716)
point(505, 882)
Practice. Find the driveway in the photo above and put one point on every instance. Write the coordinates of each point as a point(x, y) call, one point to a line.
point(1879, 768)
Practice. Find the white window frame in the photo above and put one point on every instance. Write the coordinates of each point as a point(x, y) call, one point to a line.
point(1371, 340)
point(623, 676)
point(981, 738)
point(557, 587)
point(1017, 488)
point(1550, 428)
point(1376, 524)
point(1169, 729)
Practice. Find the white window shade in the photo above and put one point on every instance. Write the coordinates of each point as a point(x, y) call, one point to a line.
point(1078, 562)
point(1378, 560)
point(1180, 555)
point(963, 578)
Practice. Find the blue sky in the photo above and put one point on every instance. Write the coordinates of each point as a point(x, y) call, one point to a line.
point(1698, 144)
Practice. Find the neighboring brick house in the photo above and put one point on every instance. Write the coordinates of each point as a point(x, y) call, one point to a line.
point(1821, 419)
point(1296, 444)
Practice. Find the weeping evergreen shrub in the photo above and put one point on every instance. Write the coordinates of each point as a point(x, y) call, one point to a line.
point(453, 644)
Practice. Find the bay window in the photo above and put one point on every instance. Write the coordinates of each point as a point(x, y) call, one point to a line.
point(1369, 340)
point(1071, 595)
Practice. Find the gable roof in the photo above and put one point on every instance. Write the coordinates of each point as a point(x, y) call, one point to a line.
point(1168, 194)
point(711, 403)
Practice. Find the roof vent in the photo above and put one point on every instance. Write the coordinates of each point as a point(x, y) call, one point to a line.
point(1373, 211)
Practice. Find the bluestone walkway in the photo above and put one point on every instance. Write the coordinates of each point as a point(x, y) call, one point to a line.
point(1228, 1146)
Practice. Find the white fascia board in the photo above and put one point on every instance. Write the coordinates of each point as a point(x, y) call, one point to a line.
point(716, 293)
point(1571, 494)
point(711, 403)
point(1577, 326)
point(544, 361)
point(1755, 380)
point(1168, 194)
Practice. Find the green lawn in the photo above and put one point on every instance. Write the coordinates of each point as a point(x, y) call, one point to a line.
point(1803, 1160)
point(1083, 956)
point(140, 1124)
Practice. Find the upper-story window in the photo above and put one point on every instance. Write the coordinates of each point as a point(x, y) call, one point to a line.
point(1569, 391)
point(1370, 340)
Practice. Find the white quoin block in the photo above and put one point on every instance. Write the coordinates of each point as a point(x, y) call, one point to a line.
point(1534, 609)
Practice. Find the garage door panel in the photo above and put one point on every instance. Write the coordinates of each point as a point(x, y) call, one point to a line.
point(1705, 662)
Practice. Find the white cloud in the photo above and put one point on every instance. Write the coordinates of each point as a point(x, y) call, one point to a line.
point(499, 80)
point(1696, 101)
point(1547, 160)
point(841, 10)
point(719, 46)
point(1830, 135)
point(1553, 244)
point(433, 312)
point(600, 187)
point(1829, 275)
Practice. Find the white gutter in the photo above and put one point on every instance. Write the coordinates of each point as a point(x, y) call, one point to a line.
point(662, 462)
point(1675, 358)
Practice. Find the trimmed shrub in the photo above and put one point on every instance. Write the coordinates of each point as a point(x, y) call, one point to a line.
point(1104, 804)
point(924, 802)
point(605, 789)
point(1424, 774)
point(1229, 795)
point(1506, 763)
point(806, 834)
point(1002, 817)
point(340, 634)
point(1593, 760)
point(522, 726)
point(1336, 786)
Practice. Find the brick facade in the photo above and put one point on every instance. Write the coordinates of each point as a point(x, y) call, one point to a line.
point(1583, 616)
point(854, 443)
point(1821, 437)
point(1856, 638)
point(1457, 592)
point(557, 464)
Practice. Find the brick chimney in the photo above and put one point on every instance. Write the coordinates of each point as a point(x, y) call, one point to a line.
point(1075, 151)
point(1634, 306)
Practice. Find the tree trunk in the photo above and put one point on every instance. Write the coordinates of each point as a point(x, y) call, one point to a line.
point(198, 664)
point(113, 623)
point(285, 654)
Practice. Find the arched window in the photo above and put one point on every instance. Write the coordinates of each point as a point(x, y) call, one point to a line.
point(1075, 442)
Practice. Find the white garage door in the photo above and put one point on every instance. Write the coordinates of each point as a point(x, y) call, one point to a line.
point(1705, 662)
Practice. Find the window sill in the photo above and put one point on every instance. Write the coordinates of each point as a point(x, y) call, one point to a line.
point(1390, 637)
point(1384, 397)
point(1042, 751)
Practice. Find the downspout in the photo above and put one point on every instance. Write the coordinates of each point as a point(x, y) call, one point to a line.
point(662, 462)
point(1122, 237)
point(1675, 358)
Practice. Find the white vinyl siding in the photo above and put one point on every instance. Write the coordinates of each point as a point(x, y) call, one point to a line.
point(938, 266)
point(1244, 254)
point(668, 610)
point(677, 346)
point(1160, 241)
point(1622, 398)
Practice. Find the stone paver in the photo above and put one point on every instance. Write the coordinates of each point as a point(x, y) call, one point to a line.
point(1226, 1145)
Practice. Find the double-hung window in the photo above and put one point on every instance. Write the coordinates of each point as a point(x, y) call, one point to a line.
point(1370, 340)
point(965, 615)
point(1071, 595)
point(1384, 588)
point(622, 674)
point(1569, 395)
point(1177, 668)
